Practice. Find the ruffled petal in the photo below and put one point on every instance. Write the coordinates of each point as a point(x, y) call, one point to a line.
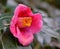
point(22, 10)
point(13, 26)
point(25, 36)
point(36, 23)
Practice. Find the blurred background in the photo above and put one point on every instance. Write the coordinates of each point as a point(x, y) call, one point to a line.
point(49, 37)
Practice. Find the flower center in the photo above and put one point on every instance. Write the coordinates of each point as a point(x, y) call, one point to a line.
point(24, 21)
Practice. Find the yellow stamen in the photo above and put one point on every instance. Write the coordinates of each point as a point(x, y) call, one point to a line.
point(25, 21)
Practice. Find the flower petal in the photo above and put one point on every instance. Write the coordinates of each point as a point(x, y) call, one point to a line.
point(36, 23)
point(22, 10)
point(25, 37)
point(13, 25)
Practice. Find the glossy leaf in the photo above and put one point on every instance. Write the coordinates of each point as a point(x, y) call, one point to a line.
point(1, 47)
point(8, 41)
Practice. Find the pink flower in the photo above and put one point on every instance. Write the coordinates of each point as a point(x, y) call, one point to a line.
point(24, 24)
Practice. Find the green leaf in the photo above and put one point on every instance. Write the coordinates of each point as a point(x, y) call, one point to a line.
point(8, 41)
point(4, 19)
point(1, 45)
point(3, 2)
point(6, 16)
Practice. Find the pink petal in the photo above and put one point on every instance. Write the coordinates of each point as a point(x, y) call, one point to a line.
point(25, 37)
point(13, 25)
point(22, 10)
point(36, 23)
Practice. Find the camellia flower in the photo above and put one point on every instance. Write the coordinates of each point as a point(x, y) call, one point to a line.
point(24, 24)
